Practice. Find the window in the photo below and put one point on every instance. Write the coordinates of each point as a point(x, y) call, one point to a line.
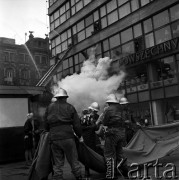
point(89, 30)
point(137, 30)
point(163, 35)
point(81, 36)
point(128, 48)
point(37, 59)
point(12, 57)
point(79, 5)
point(113, 17)
point(175, 29)
point(6, 56)
point(144, 2)
point(149, 40)
point(89, 20)
point(120, 2)
point(104, 22)
point(96, 15)
point(103, 11)
point(114, 41)
point(9, 73)
point(126, 35)
point(124, 10)
point(116, 53)
point(161, 19)
point(134, 5)
point(111, 6)
point(80, 25)
point(105, 45)
point(65, 64)
point(139, 44)
point(148, 25)
point(174, 12)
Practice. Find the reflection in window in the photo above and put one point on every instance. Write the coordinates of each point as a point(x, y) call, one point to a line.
point(174, 12)
point(149, 40)
point(163, 35)
point(148, 26)
point(175, 29)
point(161, 19)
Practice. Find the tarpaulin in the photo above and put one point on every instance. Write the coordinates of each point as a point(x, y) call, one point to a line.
point(42, 165)
point(152, 143)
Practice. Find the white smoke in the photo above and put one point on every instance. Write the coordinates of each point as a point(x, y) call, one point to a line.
point(93, 84)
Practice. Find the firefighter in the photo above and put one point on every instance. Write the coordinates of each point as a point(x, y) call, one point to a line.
point(61, 119)
point(115, 134)
point(88, 122)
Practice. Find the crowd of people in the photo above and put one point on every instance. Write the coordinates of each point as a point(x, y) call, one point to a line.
point(114, 127)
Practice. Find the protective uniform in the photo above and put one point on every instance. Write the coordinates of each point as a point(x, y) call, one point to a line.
point(115, 132)
point(62, 121)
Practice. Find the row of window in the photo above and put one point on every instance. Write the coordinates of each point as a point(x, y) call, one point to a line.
point(66, 11)
point(8, 56)
point(136, 38)
point(101, 18)
point(10, 73)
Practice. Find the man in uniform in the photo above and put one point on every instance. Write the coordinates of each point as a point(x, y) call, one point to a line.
point(115, 134)
point(62, 121)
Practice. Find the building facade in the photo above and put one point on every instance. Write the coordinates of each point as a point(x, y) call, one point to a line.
point(23, 65)
point(141, 36)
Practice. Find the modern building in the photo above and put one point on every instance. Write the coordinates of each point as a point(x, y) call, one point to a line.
point(141, 36)
point(23, 64)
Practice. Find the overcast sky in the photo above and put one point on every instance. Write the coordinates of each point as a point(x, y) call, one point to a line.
point(18, 17)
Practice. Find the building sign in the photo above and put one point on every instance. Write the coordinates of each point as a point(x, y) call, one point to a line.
point(156, 84)
point(154, 51)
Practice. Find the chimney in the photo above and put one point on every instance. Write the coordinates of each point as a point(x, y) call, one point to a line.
point(31, 35)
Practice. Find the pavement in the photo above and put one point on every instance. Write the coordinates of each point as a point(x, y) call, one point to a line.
point(19, 170)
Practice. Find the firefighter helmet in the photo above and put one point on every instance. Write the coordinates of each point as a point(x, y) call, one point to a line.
point(94, 106)
point(124, 100)
point(61, 93)
point(112, 99)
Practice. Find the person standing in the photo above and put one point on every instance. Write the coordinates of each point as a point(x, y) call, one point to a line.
point(62, 121)
point(115, 134)
point(89, 126)
point(28, 139)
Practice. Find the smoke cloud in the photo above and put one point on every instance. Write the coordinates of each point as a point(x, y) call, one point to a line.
point(93, 84)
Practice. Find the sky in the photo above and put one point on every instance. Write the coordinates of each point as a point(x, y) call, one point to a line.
point(18, 17)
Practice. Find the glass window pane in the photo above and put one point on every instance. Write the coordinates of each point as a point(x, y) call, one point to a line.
point(67, 5)
point(80, 25)
point(69, 33)
point(68, 14)
point(56, 14)
point(163, 35)
point(86, 2)
point(104, 22)
point(174, 11)
point(111, 6)
point(144, 2)
point(175, 29)
point(148, 25)
point(58, 41)
point(116, 53)
point(72, 2)
point(57, 23)
point(128, 48)
point(134, 5)
point(71, 70)
point(63, 18)
point(113, 17)
point(120, 2)
point(105, 45)
point(64, 46)
point(161, 19)
point(126, 35)
point(58, 49)
point(81, 36)
point(124, 10)
point(65, 64)
point(62, 10)
point(79, 6)
point(89, 30)
point(137, 30)
point(70, 61)
point(81, 58)
point(107, 54)
point(149, 40)
point(96, 15)
point(74, 29)
point(64, 36)
point(89, 20)
point(114, 41)
point(103, 11)
point(76, 59)
point(73, 10)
